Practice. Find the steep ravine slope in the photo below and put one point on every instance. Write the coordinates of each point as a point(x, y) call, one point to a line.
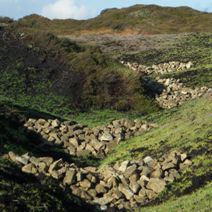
point(60, 76)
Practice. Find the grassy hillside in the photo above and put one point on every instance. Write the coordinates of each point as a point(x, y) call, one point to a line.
point(138, 19)
point(196, 48)
point(45, 76)
point(199, 200)
point(188, 129)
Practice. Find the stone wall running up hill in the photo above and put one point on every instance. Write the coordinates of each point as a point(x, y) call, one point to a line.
point(124, 185)
point(79, 140)
point(162, 68)
point(174, 92)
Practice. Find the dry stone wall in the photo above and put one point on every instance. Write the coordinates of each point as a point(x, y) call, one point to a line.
point(77, 139)
point(162, 68)
point(174, 93)
point(124, 185)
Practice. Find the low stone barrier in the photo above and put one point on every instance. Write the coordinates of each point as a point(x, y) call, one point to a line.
point(162, 68)
point(124, 185)
point(77, 139)
point(175, 93)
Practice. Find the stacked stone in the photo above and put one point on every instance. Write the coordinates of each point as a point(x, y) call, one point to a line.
point(125, 185)
point(79, 140)
point(162, 68)
point(175, 93)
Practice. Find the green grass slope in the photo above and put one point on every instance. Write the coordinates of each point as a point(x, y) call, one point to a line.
point(144, 19)
point(196, 48)
point(197, 201)
point(187, 128)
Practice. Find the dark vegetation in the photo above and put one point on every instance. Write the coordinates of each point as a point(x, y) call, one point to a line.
point(22, 192)
point(60, 76)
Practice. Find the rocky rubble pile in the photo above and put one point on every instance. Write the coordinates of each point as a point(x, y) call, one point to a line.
point(162, 68)
point(125, 185)
point(79, 140)
point(175, 93)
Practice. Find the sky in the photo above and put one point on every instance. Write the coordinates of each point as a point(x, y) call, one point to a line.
point(84, 9)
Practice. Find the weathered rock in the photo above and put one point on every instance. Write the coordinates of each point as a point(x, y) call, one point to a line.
point(79, 176)
point(70, 176)
point(106, 137)
point(104, 200)
point(123, 166)
point(26, 156)
point(168, 165)
point(34, 160)
point(12, 156)
point(157, 185)
point(117, 194)
point(142, 194)
point(122, 185)
point(157, 173)
point(112, 182)
point(55, 123)
point(134, 186)
point(75, 190)
point(55, 165)
point(92, 193)
point(130, 170)
point(46, 160)
point(75, 142)
point(21, 160)
point(126, 191)
point(139, 199)
point(146, 171)
point(100, 189)
point(187, 162)
point(86, 184)
point(58, 174)
point(71, 149)
point(150, 194)
point(96, 144)
point(85, 195)
point(42, 167)
point(29, 168)
point(143, 181)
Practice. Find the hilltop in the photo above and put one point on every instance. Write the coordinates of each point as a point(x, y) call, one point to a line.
point(138, 19)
